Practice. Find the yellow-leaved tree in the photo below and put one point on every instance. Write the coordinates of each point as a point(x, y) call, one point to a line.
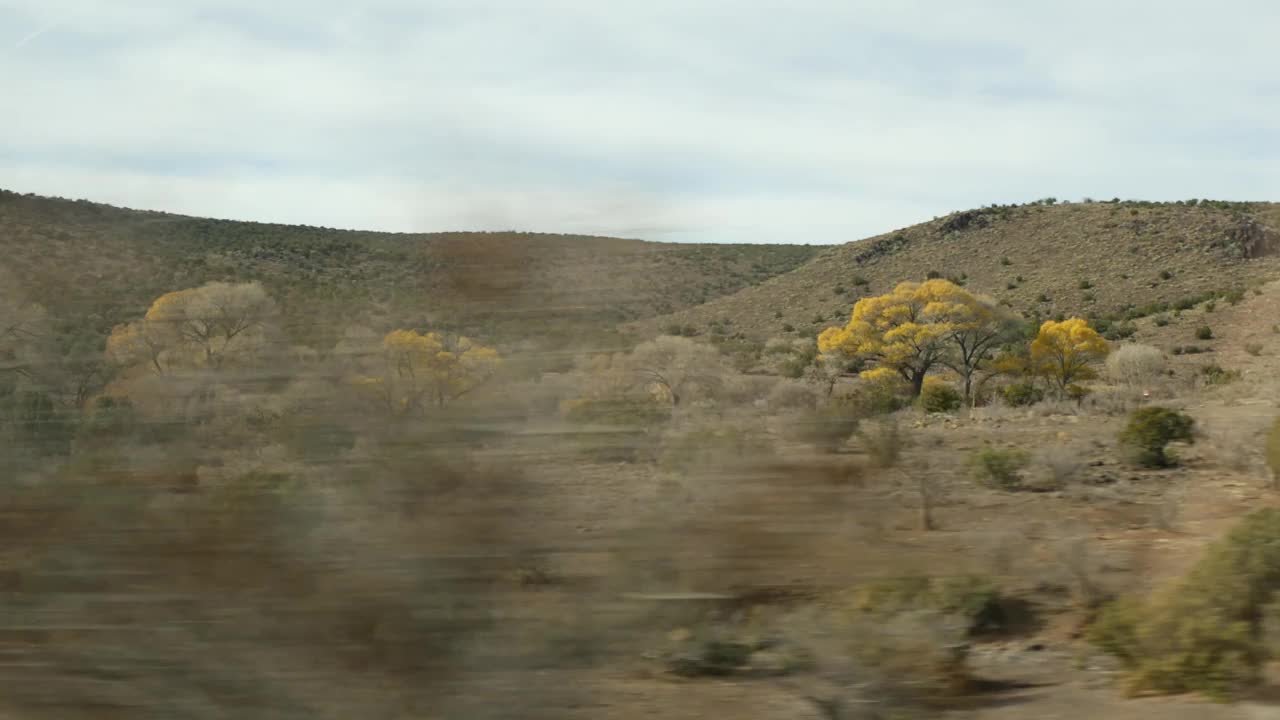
point(434, 370)
point(917, 326)
point(202, 327)
point(1064, 352)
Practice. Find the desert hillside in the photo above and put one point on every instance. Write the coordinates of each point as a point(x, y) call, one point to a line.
point(1110, 261)
point(94, 266)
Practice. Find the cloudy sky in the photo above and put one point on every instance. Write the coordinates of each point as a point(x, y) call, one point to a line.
point(812, 121)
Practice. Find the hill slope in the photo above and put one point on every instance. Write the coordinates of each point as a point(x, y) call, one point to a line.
point(95, 265)
point(1103, 260)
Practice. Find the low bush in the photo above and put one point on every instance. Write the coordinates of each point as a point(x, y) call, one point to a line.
point(1204, 332)
point(1205, 633)
point(882, 440)
point(828, 427)
point(974, 600)
point(1254, 349)
point(1214, 374)
point(1135, 365)
point(1149, 432)
point(1022, 394)
point(938, 396)
point(1000, 468)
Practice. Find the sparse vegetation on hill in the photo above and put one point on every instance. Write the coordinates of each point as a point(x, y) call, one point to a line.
point(94, 266)
point(1156, 256)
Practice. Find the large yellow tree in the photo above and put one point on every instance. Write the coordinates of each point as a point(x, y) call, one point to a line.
point(200, 327)
point(1064, 352)
point(916, 327)
point(434, 369)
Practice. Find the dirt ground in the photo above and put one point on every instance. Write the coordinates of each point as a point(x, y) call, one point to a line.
point(1127, 529)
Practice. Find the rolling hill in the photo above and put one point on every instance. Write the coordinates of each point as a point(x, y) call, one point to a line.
point(1110, 261)
point(94, 265)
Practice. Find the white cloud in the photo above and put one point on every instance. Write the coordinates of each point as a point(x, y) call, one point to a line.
point(782, 122)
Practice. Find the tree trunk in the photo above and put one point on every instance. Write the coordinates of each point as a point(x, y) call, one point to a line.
point(917, 382)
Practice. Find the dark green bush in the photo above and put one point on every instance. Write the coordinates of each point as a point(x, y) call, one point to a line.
point(940, 398)
point(1215, 374)
point(975, 600)
point(1205, 633)
point(1022, 394)
point(1149, 432)
point(1204, 332)
point(999, 467)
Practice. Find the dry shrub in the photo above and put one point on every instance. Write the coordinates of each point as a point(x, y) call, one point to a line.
point(828, 427)
point(1135, 365)
point(881, 664)
point(883, 439)
point(1056, 466)
point(792, 395)
point(1230, 447)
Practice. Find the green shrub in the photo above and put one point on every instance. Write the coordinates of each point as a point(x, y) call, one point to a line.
point(1085, 285)
point(1019, 279)
point(940, 398)
point(1161, 320)
point(1254, 349)
point(1010, 286)
point(1206, 632)
point(1166, 275)
point(1214, 374)
point(838, 290)
point(999, 468)
point(1022, 394)
point(1149, 432)
point(1234, 296)
point(1042, 298)
point(1204, 332)
point(1210, 306)
point(972, 599)
point(1121, 331)
point(860, 280)
point(932, 275)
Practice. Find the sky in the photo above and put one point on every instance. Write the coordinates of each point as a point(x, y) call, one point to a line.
point(806, 121)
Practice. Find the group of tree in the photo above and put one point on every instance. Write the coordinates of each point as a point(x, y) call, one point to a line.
point(920, 327)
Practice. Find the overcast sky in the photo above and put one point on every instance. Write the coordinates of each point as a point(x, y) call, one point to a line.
point(690, 120)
